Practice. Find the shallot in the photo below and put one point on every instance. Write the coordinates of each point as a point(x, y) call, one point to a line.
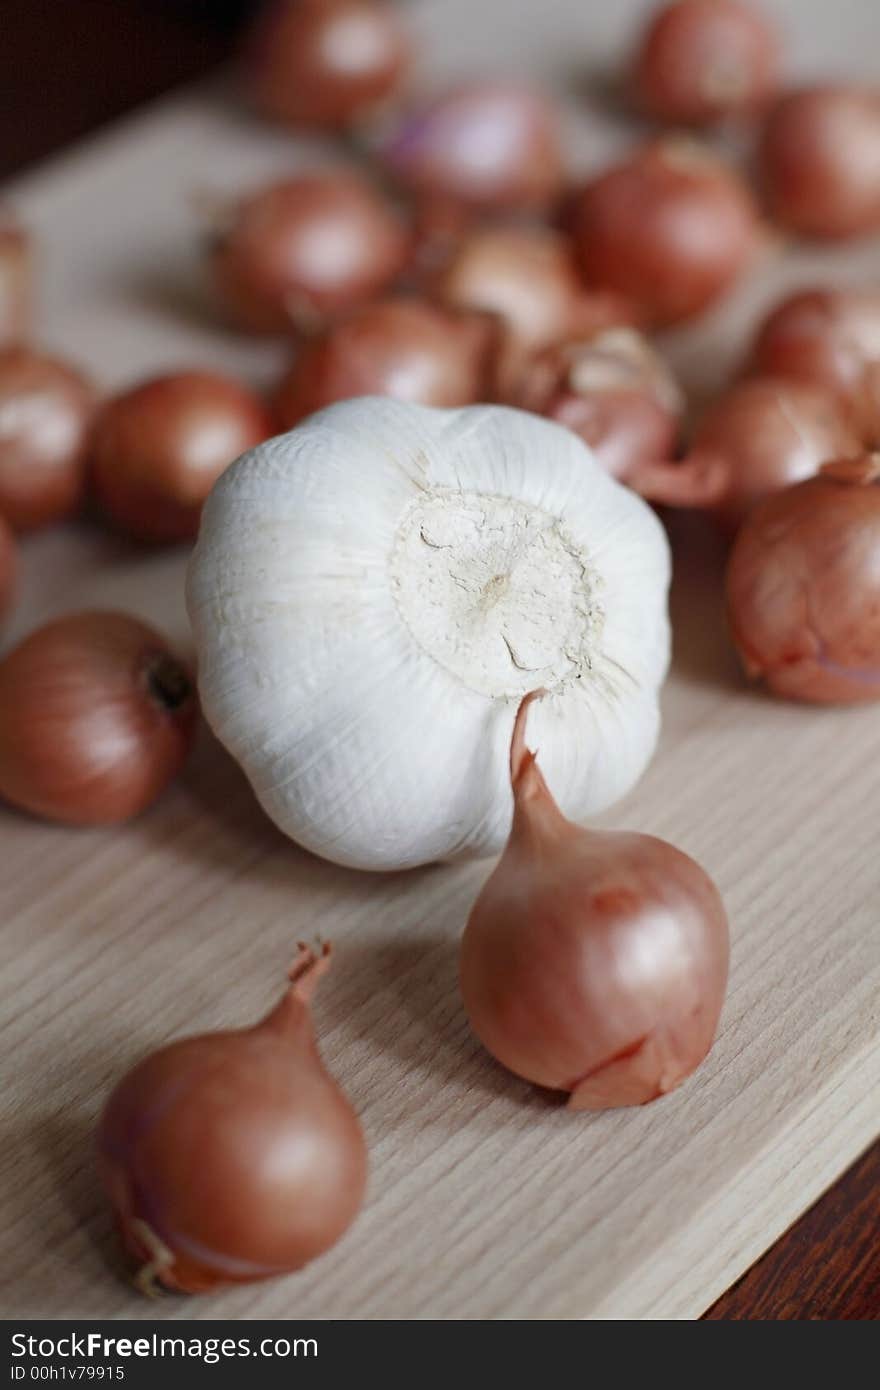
point(803, 586)
point(671, 227)
point(159, 447)
point(406, 348)
point(233, 1156)
point(831, 338)
point(592, 962)
point(820, 161)
point(486, 144)
point(306, 248)
point(762, 435)
point(326, 63)
point(701, 61)
point(96, 717)
point(46, 411)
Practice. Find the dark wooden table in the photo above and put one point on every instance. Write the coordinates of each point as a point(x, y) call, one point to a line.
point(67, 68)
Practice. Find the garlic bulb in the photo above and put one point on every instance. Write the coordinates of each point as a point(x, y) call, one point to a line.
point(372, 595)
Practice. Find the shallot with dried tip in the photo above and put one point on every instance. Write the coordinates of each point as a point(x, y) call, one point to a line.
point(592, 962)
point(234, 1156)
point(617, 393)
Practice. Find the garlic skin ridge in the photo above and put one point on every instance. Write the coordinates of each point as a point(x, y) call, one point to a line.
point(373, 593)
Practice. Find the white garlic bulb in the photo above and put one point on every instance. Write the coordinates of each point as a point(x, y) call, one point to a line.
point(373, 593)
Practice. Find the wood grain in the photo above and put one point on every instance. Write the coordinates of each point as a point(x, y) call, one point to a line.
point(827, 1266)
point(486, 1199)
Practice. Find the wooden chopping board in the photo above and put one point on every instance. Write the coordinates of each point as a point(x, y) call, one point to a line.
point(485, 1201)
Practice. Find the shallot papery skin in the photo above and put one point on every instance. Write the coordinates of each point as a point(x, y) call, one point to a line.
point(830, 337)
point(159, 447)
point(592, 962)
point(408, 349)
point(46, 412)
point(803, 587)
point(764, 434)
point(819, 161)
point(615, 392)
point(233, 1156)
point(671, 227)
point(488, 144)
point(15, 282)
point(306, 248)
point(96, 717)
point(701, 61)
point(326, 63)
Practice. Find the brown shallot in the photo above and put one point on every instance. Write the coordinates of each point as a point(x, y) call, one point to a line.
point(803, 586)
point(592, 962)
point(671, 227)
point(46, 411)
point(326, 63)
point(702, 61)
point(306, 248)
point(159, 447)
point(486, 144)
point(831, 338)
point(96, 717)
point(408, 349)
point(233, 1156)
point(763, 434)
point(819, 161)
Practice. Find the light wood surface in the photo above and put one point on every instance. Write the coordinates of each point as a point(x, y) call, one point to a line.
point(486, 1200)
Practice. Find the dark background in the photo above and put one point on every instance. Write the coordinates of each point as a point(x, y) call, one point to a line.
point(68, 66)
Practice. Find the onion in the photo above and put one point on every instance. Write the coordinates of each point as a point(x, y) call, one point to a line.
point(306, 248)
point(527, 277)
point(671, 227)
point(15, 282)
point(46, 409)
point(405, 348)
point(96, 718)
point(159, 448)
point(8, 568)
point(803, 586)
point(233, 1156)
point(592, 962)
point(326, 63)
point(820, 161)
point(703, 60)
point(766, 434)
point(614, 391)
point(489, 144)
point(832, 339)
